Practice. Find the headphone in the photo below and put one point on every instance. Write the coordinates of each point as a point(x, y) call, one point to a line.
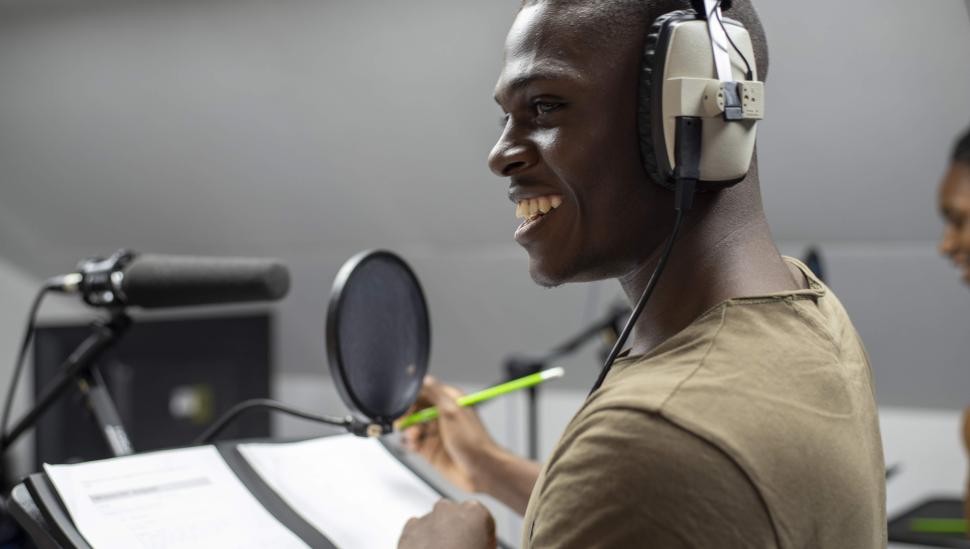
point(718, 94)
point(697, 116)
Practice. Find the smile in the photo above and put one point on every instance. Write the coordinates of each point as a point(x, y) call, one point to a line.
point(537, 207)
point(532, 210)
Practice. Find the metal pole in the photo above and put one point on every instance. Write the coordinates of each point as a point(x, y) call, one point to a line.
point(533, 416)
point(72, 371)
point(105, 413)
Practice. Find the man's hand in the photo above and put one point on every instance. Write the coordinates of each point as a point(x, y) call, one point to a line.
point(456, 444)
point(451, 525)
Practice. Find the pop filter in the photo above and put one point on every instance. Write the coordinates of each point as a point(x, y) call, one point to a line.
point(378, 337)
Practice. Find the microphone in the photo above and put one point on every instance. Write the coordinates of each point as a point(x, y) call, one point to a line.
point(153, 281)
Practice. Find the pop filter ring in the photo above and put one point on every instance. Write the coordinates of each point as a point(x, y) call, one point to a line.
point(337, 370)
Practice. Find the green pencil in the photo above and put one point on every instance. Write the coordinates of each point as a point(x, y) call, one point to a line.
point(938, 525)
point(428, 414)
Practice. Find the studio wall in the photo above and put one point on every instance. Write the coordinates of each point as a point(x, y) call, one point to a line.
point(310, 130)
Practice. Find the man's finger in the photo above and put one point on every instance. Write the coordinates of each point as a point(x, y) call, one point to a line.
point(444, 397)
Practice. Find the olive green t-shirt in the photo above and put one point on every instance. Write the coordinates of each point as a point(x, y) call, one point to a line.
point(753, 427)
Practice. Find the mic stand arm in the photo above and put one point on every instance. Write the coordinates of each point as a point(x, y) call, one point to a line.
point(105, 413)
point(79, 368)
point(516, 367)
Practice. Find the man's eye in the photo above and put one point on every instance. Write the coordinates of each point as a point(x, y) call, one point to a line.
point(546, 107)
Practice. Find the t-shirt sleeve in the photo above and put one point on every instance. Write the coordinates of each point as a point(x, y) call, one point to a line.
point(626, 478)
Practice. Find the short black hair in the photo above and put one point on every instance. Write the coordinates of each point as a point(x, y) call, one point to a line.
point(961, 151)
point(630, 19)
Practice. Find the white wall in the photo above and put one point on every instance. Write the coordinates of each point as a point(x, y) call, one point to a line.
point(310, 130)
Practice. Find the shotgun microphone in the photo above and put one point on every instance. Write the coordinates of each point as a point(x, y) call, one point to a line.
point(153, 281)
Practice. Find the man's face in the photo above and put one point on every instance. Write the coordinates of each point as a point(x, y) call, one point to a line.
point(570, 149)
point(955, 207)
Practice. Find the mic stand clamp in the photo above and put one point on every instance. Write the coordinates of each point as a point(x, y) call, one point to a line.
point(80, 368)
point(516, 367)
point(519, 366)
point(369, 429)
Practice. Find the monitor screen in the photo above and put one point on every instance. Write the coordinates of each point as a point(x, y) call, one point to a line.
point(169, 380)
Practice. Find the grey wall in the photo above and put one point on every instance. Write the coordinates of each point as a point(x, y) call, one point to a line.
point(309, 130)
point(864, 109)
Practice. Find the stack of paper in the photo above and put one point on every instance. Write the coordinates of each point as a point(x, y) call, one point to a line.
point(174, 499)
point(351, 489)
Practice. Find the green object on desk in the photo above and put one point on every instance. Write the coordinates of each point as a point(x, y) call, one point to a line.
point(938, 525)
point(531, 380)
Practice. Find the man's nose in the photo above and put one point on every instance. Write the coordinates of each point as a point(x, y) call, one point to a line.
point(510, 156)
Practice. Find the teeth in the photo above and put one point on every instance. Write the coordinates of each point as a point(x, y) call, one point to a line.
point(532, 207)
point(544, 206)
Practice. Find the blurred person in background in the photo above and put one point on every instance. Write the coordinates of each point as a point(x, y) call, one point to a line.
point(954, 200)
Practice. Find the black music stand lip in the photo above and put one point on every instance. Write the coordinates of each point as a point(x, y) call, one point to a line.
point(36, 507)
point(935, 507)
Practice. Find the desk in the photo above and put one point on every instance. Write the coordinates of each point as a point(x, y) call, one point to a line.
point(39, 510)
point(926, 446)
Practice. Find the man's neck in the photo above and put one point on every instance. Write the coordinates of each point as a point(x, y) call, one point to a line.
point(713, 261)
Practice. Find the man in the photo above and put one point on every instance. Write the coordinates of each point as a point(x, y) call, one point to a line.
point(743, 415)
point(954, 200)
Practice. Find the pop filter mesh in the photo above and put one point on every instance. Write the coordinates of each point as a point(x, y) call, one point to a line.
point(383, 337)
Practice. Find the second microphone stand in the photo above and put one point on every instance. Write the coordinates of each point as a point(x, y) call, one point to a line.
point(80, 369)
point(519, 366)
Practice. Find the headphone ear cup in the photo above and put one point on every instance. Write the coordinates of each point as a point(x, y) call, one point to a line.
point(649, 108)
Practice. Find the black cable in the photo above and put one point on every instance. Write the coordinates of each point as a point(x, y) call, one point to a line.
point(688, 142)
point(749, 74)
point(654, 278)
point(19, 364)
point(246, 405)
point(15, 377)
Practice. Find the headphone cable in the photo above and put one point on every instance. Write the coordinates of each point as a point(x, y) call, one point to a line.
point(641, 304)
point(688, 142)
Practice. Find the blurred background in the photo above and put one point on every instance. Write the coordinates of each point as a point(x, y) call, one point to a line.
point(309, 130)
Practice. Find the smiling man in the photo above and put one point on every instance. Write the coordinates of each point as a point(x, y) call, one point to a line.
point(743, 414)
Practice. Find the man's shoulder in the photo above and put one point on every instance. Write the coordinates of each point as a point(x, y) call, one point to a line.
point(636, 438)
point(649, 479)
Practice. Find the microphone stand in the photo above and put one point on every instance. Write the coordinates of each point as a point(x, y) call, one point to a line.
point(519, 366)
point(79, 368)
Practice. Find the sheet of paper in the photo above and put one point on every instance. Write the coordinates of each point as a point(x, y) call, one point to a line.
point(178, 498)
point(350, 488)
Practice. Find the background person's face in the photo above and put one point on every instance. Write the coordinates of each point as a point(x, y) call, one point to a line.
point(571, 134)
point(954, 201)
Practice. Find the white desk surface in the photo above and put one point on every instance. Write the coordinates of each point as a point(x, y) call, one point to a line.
point(926, 446)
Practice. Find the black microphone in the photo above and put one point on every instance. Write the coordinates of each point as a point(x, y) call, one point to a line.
point(153, 281)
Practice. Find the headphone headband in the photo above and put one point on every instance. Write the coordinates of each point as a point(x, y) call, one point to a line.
point(698, 5)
